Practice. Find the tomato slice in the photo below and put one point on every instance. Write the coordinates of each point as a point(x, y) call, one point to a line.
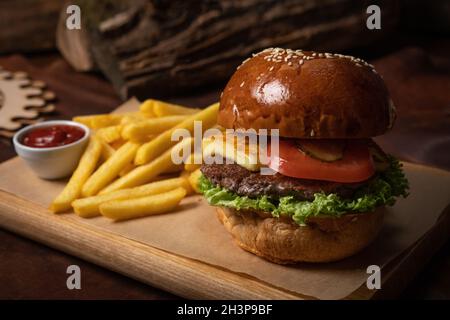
point(356, 164)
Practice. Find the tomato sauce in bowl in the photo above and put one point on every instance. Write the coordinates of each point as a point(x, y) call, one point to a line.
point(52, 136)
point(53, 148)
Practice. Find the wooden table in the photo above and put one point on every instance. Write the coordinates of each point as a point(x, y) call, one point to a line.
point(419, 80)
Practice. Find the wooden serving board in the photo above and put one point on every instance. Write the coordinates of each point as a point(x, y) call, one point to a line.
point(179, 274)
point(176, 274)
point(190, 254)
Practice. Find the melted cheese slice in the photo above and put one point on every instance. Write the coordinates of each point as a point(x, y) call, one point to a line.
point(235, 150)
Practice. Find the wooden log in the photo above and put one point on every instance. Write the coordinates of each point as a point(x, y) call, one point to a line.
point(28, 25)
point(154, 48)
point(74, 44)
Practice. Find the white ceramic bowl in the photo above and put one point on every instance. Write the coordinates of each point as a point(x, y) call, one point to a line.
point(53, 162)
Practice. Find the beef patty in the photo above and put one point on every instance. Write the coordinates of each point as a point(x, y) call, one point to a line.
point(253, 184)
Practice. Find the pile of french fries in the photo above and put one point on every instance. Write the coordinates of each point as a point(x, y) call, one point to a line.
point(123, 171)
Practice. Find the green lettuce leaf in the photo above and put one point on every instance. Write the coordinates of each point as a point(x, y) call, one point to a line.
point(380, 191)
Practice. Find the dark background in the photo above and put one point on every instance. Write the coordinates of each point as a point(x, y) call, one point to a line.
point(411, 52)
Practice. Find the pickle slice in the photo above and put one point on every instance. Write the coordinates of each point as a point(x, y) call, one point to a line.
point(327, 150)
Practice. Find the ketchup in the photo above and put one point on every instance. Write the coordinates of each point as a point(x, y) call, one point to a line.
point(53, 136)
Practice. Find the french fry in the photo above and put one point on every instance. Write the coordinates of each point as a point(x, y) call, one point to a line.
point(134, 117)
point(109, 134)
point(173, 169)
point(190, 165)
point(98, 121)
point(185, 175)
point(129, 167)
point(141, 207)
point(147, 115)
point(146, 107)
point(164, 109)
point(138, 131)
point(148, 172)
point(81, 174)
point(107, 151)
point(193, 180)
point(118, 143)
point(161, 143)
point(89, 207)
point(109, 169)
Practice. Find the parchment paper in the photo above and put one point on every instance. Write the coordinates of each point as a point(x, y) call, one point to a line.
point(194, 231)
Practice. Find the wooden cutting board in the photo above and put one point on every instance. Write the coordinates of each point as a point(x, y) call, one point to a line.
point(181, 275)
point(189, 253)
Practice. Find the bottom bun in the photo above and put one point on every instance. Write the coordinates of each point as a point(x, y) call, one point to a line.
point(282, 241)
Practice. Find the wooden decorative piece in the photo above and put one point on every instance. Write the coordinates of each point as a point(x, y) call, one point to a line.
point(22, 101)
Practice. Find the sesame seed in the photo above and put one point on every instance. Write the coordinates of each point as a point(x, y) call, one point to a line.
point(280, 55)
point(242, 84)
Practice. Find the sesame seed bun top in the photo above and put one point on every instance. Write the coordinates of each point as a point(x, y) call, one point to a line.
point(307, 94)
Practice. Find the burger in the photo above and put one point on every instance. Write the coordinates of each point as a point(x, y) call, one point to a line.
point(331, 182)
